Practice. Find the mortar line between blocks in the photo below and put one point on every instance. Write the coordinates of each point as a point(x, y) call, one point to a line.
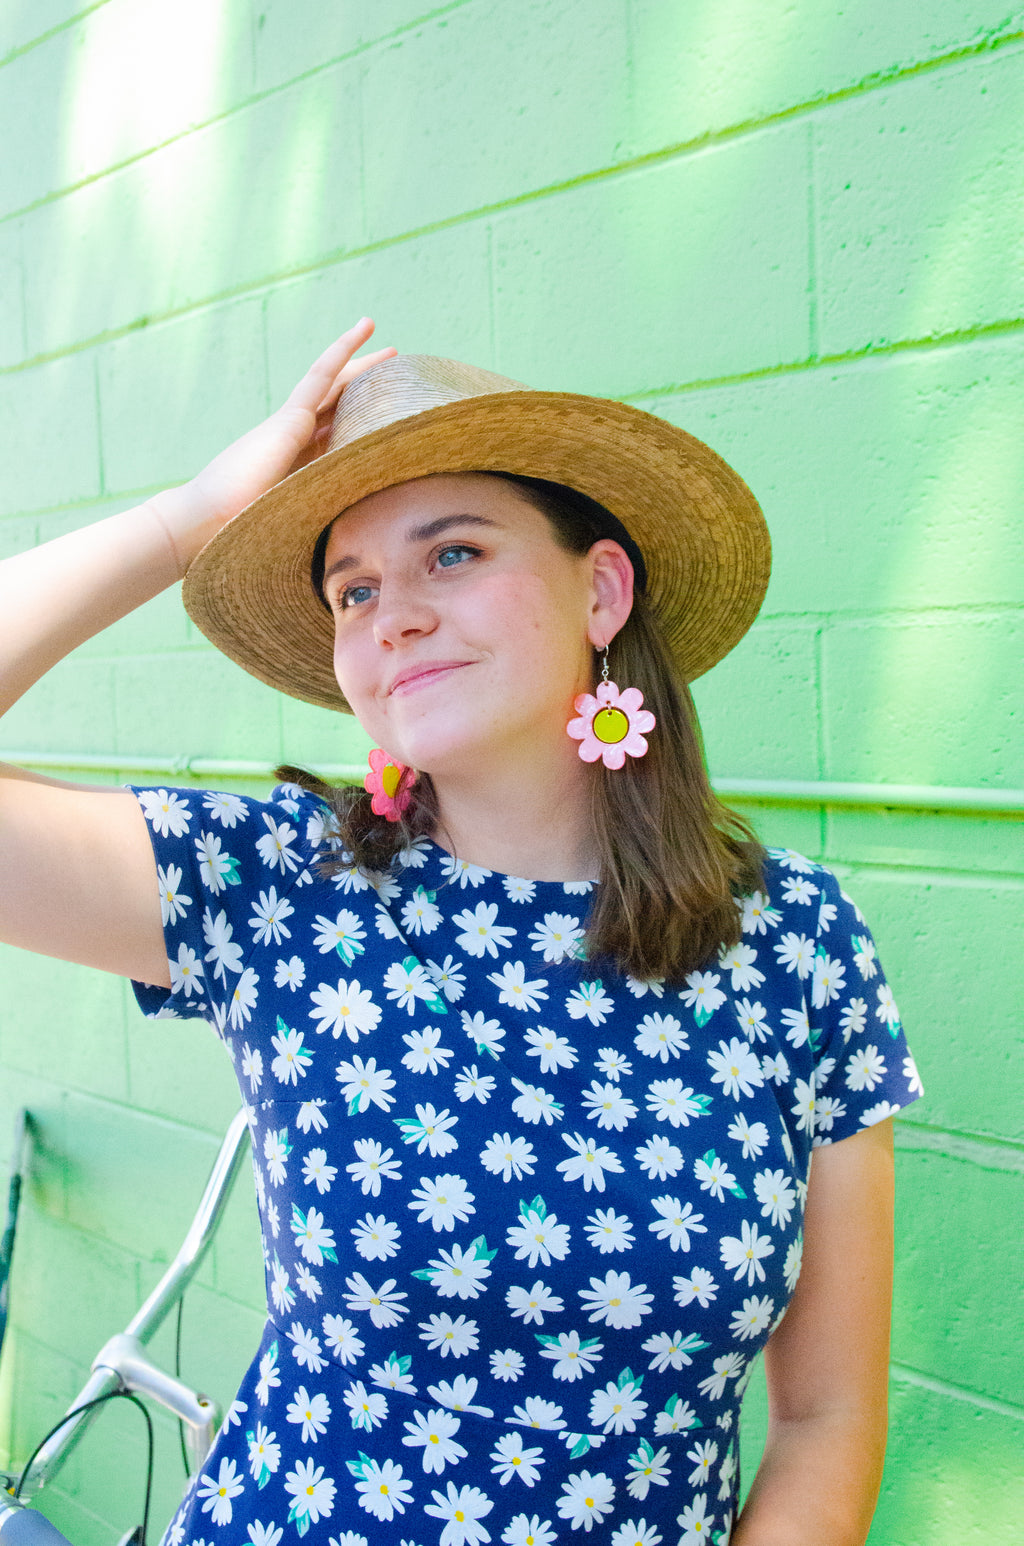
point(909, 1376)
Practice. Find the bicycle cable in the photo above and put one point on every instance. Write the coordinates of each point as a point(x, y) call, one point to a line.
point(87, 1406)
point(177, 1376)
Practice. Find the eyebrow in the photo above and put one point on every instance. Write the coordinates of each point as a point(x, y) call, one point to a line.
point(425, 533)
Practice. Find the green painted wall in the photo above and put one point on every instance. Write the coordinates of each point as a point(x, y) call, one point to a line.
point(793, 228)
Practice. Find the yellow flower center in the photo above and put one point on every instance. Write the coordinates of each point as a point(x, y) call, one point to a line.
point(610, 725)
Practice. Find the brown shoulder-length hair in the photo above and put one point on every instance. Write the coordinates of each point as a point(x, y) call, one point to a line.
point(674, 859)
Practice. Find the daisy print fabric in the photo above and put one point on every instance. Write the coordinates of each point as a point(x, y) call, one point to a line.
point(526, 1221)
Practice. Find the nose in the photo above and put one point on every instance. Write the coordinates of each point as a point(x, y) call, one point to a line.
point(402, 613)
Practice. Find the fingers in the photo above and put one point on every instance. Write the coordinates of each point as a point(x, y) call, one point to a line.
point(349, 372)
point(321, 375)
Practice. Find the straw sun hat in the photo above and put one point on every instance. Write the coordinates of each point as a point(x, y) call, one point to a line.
point(698, 526)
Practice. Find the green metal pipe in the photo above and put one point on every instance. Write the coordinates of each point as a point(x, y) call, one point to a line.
point(773, 791)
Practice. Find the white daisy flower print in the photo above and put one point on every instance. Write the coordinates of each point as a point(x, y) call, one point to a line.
point(425, 1054)
point(472, 1085)
point(535, 1412)
point(366, 1409)
point(744, 1254)
point(887, 1011)
point(618, 1407)
point(376, 1237)
point(481, 935)
point(218, 1492)
point(799, 890)
point(586, 1499)
point(364, 1085)
point(348, 1009)
point(535, 1105)
point(703, 995)
point(736, 1068)
point(796, 954)
point(774, 1191)
point(659, 1157)
point(610, 1231)
point(311, 1117)
point(853, 1018)
point(312, 1412)
point(519, 890)
point(429, 1130)
point(609, 1106)
point(661, 1036)
point(165, 811)
point(829, 979)
point(538, 1237)
point(393, 1374)
point(507, 1365)
point(444, 1335)
point(865, 956)
point(342, 1339)
point(912, 1076)
point(616, 1300)
point(752, 1135)
point(879, 1113)
point(571, 1355)
point(775, 1070)
point(675, 1103)
point(672, 1352)
point(217, 869)
point(450, 977)
point(528, 1530)
point(384, 1305)
point(553, 1052)
point(513, 1462)
point(223, 951)
point(865, 1069)
point(728, 1367)
point(794, 1256)
point(702, 1456)
point(557, 937)
point(343, 934)
point(696, 1522)
point(752, 1319)
point(514, 991)
point(381, 1489)
point(738, 961)
point(757, 915)
point(459, 1273)
point(530, 1305)
point(612, 1064)
point(228, 809)
point(186, 974)
point(648, 1468)
point(715, 1176)
point(290, 974)
point(753, 1019)
point(589, 1162)
point(306, 1348)
point(458, 1394)
point(462, 1509)
point(264, 1454)
point(677, 1417)
point(791, 860)
point(293, 1059)
point(420, 914)
point(487, 1035)
point(434, 1433)
point(374, 1164)
point(676, 1222)
point(589, 1002)
point(275, 849)
point(507, 1156)
point(442, 1201)
point(173, 903)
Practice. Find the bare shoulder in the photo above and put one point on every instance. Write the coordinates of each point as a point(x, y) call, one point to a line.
point(77, 875)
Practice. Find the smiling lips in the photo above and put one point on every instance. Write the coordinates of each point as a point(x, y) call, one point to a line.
point(419, 675)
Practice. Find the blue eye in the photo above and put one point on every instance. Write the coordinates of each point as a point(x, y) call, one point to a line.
point(454, 554)
point(355, 595)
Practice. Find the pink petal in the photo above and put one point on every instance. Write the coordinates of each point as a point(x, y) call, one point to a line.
point(634, 744)
point(586, 704)
point(630, 700)
point(607, 694)
point(614, 756)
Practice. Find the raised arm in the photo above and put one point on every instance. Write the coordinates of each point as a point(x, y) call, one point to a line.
point(828, 1361)
point(77, 876)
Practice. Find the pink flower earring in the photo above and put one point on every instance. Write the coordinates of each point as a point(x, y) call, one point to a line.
point(611, 724)
point(390, 783)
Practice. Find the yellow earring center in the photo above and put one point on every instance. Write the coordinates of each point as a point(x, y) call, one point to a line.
point(610, 725)
point(390, 778)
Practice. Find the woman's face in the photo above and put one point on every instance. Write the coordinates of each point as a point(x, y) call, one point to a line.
point(461, 626)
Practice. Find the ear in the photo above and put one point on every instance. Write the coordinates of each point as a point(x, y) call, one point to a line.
point(611, 591)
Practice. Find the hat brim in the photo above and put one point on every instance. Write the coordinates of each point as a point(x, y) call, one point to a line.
point(699, 527)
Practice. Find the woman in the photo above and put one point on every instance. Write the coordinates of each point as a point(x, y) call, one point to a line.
point(534, 1038)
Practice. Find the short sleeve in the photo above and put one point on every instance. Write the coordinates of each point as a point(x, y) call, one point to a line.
point(226, 864)
point(864, 1070)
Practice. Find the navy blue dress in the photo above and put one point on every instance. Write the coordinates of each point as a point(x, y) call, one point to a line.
point(526, 1221)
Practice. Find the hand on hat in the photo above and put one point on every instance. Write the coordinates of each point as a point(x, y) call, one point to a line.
point(296, 434)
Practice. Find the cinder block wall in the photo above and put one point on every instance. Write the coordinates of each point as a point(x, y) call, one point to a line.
point(794, 229)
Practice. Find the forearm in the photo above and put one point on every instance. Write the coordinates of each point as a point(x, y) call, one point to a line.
point(817, 1484)
point(54, 597)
